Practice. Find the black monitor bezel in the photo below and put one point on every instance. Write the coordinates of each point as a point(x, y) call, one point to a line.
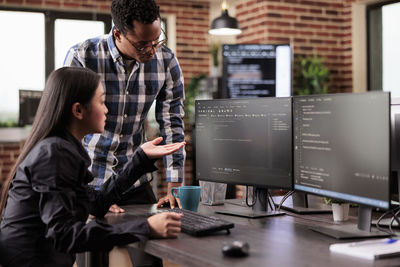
point(389, 140)
point(395, 102)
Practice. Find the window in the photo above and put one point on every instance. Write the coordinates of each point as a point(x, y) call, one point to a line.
point(383, 47)
point(66, 35)
point(22, 64)
point(38, 41)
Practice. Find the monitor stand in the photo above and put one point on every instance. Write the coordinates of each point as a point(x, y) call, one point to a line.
point(298, 203)
point(240, 201)
point(347, 231)
point(261, 208)
point(236, 201)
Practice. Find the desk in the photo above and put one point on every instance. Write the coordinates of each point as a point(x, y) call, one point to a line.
point(274, 241)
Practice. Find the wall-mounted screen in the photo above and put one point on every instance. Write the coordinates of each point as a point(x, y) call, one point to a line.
point(256, 70)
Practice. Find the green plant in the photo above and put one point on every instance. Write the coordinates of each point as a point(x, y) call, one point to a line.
point(214, 48)
point(192, 90)
point(8, 123)
point(312, 76)
point(330, 201)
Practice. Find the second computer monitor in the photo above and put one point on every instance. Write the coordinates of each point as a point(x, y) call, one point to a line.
point(342, 147)
point(342, 151)
point(245, 141)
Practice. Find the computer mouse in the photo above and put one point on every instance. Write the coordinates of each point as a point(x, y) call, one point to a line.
point(236, 249)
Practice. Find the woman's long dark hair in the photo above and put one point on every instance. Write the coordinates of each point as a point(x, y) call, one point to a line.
point(64, 87)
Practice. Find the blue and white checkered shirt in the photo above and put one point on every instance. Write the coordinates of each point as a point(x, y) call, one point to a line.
point(129, 97)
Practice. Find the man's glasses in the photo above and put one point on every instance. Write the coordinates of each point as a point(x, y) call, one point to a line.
point(143, 47)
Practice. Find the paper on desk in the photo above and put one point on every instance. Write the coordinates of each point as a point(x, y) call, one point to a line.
point(371, 249)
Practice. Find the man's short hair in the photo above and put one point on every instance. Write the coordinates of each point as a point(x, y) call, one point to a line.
point(124, 12)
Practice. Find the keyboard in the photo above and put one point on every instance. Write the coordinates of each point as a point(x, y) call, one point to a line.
point(197, 224)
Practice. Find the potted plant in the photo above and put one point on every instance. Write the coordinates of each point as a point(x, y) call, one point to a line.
point(214, 49)
point(312, 76)
point(340, 209)
point(192, 89)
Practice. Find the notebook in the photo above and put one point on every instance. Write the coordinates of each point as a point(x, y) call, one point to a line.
point(371, 249)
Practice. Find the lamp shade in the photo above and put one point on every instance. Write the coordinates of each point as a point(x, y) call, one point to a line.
point(224, 25)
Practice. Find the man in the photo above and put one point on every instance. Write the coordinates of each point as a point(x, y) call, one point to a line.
point(136, 69)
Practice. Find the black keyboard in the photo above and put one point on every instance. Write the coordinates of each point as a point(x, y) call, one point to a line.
point(196, 224)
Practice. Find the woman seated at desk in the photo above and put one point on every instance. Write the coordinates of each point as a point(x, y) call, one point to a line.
point(49, 200)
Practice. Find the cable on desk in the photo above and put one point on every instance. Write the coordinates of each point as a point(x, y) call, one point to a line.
point(288, 194)
point(247, 197)
point(394, 214)
point(271, 202)
point(393, 219)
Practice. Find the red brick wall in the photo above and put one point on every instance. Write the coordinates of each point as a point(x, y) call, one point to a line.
point(9, 153)
point(192, 22)
point(312, 27)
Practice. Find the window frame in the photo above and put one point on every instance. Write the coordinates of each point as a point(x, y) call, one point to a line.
point(374, 60)
point(50, 18)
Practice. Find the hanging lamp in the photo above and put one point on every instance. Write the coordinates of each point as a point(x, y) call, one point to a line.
point(224, 24)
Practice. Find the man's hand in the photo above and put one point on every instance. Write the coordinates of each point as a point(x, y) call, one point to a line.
point(115, 209)
point(169, 198)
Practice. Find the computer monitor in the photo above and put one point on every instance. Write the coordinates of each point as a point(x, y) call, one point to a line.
point(28, 105)
point(245, 142)
point(342, 151)
point(395, 159)
point(395, 137)
point(256, 70)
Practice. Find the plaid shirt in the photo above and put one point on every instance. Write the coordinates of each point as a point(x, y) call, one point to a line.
point(129, 97)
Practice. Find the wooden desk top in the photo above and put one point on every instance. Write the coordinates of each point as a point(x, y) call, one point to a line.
point(274, 241)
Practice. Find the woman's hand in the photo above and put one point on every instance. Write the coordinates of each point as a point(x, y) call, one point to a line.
point(152, 150)
point(165, 225)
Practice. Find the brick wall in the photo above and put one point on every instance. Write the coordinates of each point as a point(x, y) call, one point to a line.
point(192, 19)
point(320, 27)
point(9, 153)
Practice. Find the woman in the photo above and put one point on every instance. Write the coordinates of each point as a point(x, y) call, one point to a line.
point(48, 199)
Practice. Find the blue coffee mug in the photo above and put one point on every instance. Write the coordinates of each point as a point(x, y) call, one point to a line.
point(188, 195)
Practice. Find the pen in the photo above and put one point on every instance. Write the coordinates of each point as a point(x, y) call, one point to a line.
point(385, 241)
